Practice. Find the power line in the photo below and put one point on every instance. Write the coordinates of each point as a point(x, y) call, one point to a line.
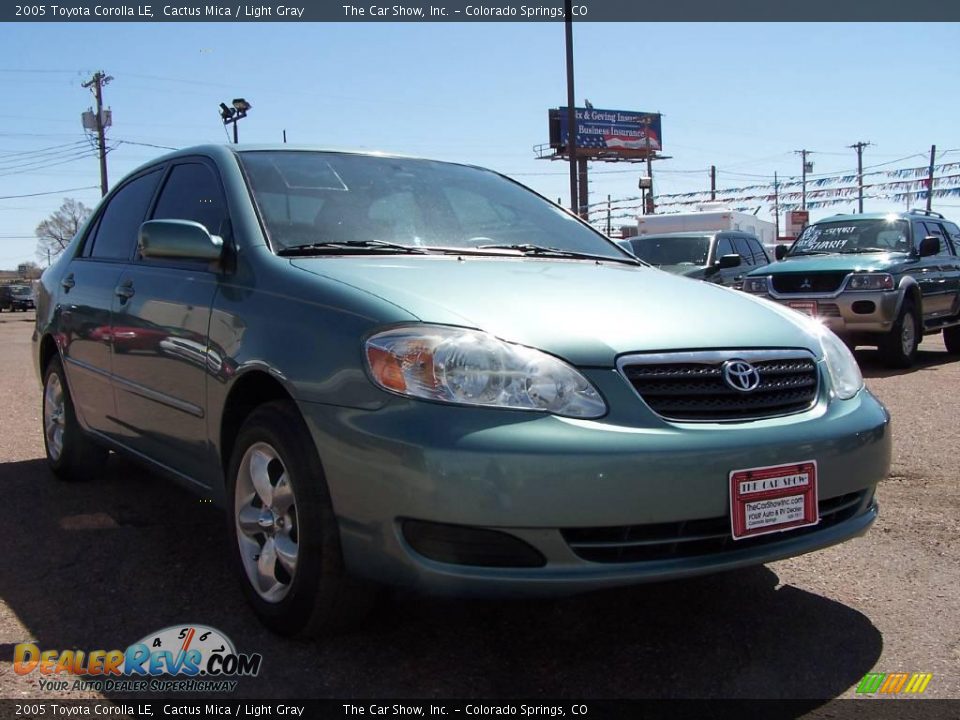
point(7, 153)
point(50, 192)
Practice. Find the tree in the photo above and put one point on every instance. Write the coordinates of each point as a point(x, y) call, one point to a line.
point(56, 232)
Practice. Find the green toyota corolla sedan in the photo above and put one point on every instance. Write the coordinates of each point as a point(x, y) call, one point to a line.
point(400, 371)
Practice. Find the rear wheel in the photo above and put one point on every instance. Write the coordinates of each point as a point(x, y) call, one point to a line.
point(898, 348)
point(71, 454)
point(285, 539)
point(951, 339)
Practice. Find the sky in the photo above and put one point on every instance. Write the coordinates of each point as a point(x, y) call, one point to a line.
point(742, 97)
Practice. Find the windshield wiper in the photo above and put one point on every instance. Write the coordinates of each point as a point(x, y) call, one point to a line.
point(332, 247)
point(854, 251)
point(540, 250)
point(809, 252)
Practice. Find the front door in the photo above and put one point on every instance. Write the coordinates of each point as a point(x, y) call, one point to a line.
point(161, 319)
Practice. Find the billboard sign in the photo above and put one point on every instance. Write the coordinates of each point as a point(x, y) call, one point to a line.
point(797, 220)
point(608, 133)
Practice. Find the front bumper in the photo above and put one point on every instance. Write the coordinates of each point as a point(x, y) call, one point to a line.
point(535, 476)
point(849, 313)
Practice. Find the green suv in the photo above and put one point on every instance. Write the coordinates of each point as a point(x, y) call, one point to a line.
point(424, 374)
point(874, 279)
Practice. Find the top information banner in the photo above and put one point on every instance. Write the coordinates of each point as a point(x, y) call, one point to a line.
point(480, 11)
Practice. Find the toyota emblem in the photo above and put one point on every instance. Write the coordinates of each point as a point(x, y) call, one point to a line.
point(741, 376)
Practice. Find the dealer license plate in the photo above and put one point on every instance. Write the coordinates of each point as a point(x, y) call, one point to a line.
point(807, 307)
point(773, 499)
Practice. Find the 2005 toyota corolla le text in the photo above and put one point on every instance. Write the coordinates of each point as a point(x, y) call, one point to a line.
point(393, 370)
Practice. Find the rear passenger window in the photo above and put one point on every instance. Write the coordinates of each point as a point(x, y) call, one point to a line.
point(116, 234)
point(760, 256)
point(954, 232)
point(192, 192)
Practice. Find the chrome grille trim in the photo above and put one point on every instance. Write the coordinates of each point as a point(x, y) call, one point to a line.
point(688, 386)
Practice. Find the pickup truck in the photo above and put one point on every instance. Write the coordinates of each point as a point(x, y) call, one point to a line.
point(874, 279)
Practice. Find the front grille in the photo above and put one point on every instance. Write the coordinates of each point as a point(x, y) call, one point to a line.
point(804, 283)
point(692, 538)
point(691, 387)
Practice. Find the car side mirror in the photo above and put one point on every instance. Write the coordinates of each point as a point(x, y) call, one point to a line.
point(730, 261)
point(179, 240)
point(780, 252)
point(930, 245)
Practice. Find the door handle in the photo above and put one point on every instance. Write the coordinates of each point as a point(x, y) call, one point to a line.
point(68, 282)
point(124, 291)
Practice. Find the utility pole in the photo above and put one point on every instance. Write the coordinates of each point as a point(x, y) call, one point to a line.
point(933, 156)
point(713, 182)
point(807, 167)
point(776, 208)
point(859, 146)
point(95, 84)
point(608, 216)
point(571, 108)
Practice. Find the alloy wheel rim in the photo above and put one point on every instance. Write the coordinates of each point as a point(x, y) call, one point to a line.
point(908, 334)
point(54, 409)
point(265, 511)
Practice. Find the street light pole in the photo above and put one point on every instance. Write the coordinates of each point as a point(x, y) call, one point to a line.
point(231, 115)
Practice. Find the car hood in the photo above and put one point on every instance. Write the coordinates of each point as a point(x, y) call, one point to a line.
point(586, 312)
point(865, 262)
point(685, 270)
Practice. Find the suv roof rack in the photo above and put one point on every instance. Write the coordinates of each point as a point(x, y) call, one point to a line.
point(922, 211)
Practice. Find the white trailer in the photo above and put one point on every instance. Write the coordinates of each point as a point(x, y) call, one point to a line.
point(709, 217)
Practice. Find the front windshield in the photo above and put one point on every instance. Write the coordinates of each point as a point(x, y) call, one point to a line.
point(316, 197)
point(20, 290)
point(854, 236)
point(674, 250)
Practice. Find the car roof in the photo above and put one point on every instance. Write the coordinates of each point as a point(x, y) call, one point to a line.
point(225, 152)
point(899, 215)
point(696, 233)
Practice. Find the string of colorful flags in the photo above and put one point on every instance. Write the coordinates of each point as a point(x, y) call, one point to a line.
point(898, 185)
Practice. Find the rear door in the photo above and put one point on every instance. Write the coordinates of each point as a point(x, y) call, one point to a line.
point(164, 305)
point(950, 265)
point(86, 295)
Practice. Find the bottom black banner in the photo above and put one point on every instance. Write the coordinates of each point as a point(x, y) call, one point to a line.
point(872, 709)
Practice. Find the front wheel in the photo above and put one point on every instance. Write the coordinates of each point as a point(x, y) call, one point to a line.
point(71, 454)
point(898, 348)
point(285, 539)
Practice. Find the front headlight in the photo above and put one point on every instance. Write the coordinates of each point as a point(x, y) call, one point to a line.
point(870, 281)
point(468, 367)
point(755, 285)
point(844, 372)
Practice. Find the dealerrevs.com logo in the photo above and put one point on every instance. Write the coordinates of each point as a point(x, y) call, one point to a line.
point(180, 658)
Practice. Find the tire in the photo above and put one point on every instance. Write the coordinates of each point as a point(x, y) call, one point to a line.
point(898, 348)
point(71, 454)
point(951, 339)
point(302, 588)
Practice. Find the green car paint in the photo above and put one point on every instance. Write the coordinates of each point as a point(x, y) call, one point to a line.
point(156, 355)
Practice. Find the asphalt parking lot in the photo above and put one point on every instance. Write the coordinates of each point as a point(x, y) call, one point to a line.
point(102, 564)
